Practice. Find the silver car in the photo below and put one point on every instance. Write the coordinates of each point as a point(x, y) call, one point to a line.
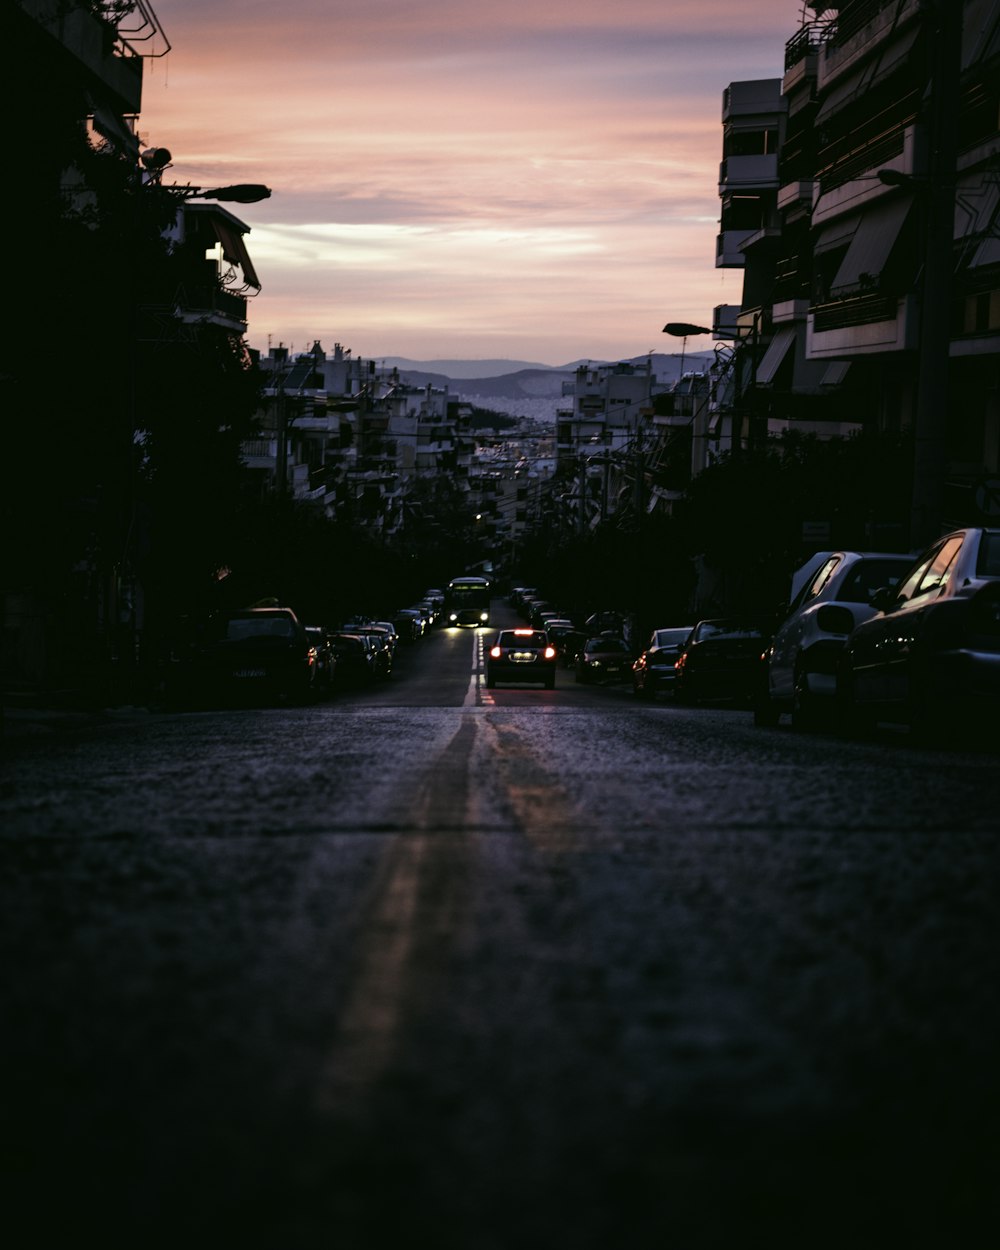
point(799, 668)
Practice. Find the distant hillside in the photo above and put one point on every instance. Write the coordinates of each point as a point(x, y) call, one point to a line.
point(461, 368)
point(531, 390)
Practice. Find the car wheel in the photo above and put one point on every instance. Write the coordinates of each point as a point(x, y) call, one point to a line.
point(765, 714)
point(806, 714)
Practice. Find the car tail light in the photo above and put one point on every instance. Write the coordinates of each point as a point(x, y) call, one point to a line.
point(550, 652)
point(495, 653)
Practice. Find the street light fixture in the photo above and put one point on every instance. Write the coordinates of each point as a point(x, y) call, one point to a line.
point(681, 330)
point(241, 193)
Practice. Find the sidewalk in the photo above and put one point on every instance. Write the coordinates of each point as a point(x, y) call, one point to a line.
point(34, 713)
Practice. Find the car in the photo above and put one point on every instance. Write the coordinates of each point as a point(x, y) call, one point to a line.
point(255, 654)
point(410, 624)
point(720, 661)
point(381, 644)
point(930, 656)
point(798, 673)
point(653, 670)
point(605, 622)
point(358, 662)
point(566, 639)
point(389, 630)
point(604, 658)
point(324, 669)
point(521, 655)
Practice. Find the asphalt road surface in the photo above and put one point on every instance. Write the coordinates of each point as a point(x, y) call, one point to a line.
point(436, 965)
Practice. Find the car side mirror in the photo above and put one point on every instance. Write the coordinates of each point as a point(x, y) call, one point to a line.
point(833, 619)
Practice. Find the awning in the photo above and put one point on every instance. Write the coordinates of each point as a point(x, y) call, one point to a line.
point(838, 234)
point(776, 352)
point(116, 130)
point(988, 253)
point(872, 244)
point(229, 231)
point(234, 249)
point(892, 57)
point(835, 373)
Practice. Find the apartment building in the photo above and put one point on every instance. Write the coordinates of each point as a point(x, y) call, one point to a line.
point(869, 239)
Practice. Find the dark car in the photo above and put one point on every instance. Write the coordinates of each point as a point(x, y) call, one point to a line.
point(604, 658)
point(799, 668)
point(653, 671)
point(255, 654)
point(410, 624)
point(325, 666)
point(720, 661)
point(567, 640)
point(357, 660)
point(930, 657)
point(521, 655)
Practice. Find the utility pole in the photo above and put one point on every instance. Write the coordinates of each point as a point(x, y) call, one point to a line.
point(938, 202)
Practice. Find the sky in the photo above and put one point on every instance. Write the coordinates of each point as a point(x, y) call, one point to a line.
point(534, 180)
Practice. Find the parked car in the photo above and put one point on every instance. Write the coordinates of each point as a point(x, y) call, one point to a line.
point(324, 668)
point(255, 654)
point(567, 640)
point(653, 670)
point(410, 624)
point(720, 661)
point(357, 660)
point(930, 656)
point(521, 655)
point(604, 658)
point(605, 622)
point(798, 673)
point(390, 631)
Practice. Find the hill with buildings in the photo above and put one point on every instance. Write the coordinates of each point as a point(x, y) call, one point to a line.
point(521, 388)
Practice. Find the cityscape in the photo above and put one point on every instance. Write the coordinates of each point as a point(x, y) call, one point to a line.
point(480, 802)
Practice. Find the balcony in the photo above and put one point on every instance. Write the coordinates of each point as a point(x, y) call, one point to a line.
point(212, 305)
point(862, 325)
point(749, 173)
point(729, 248)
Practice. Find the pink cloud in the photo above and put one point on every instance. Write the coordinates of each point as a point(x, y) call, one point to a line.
point(587, 134)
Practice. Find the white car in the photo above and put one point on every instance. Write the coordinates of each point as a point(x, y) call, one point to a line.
point(799, 668)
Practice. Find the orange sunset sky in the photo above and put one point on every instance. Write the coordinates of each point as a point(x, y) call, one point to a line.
point(533, 181)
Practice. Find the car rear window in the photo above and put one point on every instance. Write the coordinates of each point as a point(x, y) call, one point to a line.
point(512, 638)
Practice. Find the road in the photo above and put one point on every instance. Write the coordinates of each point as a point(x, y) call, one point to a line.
point(482, 969)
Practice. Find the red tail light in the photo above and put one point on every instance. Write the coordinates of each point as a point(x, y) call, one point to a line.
point(494, 653)
point(550, 653)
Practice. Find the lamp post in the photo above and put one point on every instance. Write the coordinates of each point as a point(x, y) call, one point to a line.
point(682, 330)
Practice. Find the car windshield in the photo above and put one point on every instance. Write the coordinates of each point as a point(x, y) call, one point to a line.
point(867, 576)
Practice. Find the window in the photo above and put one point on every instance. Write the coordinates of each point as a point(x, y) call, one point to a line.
point(930, 574)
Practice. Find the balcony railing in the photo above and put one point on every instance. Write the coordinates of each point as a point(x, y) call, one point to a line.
point(809, 39)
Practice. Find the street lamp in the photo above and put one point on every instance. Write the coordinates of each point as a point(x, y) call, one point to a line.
point(681, 330)
point(241, 193)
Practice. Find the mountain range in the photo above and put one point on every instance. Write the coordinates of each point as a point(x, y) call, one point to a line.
point(521, 387)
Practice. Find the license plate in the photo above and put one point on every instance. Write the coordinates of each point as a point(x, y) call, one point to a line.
point(522, 657)
point(250, 672)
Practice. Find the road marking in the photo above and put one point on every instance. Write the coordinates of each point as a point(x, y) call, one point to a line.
point(410, 915)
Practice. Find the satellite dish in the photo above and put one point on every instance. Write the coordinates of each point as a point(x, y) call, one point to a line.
point(156, 158)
